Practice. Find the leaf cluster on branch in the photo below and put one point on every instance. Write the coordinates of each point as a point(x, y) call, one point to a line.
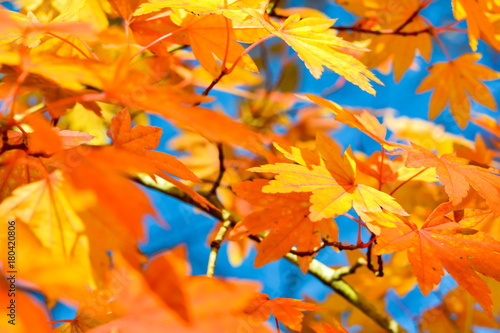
point(79, 79)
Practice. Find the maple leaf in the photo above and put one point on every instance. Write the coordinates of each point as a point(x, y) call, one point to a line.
point(47, 214)
point(230, 8)
point(390, 15)
point(31, 30)
point(45, 139)
point(52, 90)
point(442, 242)
point(458, 175)
point(163, 275)
point(330, 178)
point(317, 47)
point(424, 133)
point(288, 217)
point(194, 33)
point(46, 208)
point(125, 8)
point(478, 22)
point(452, 82)
point(140, 140)
point(365, 122)
point(328, 328)
point(86, 172)
point(286, 310)
point(137, 305)
point(19, 168)
point(30, 317)
point(217, 127)
point(93, 312)
point(457, 306)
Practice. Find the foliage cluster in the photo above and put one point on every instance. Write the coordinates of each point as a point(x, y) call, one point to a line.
point(78, 78)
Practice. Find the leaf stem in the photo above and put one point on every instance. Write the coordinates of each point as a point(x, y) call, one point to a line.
point(157, 41)
point(70, 43)
point(406, 181)
point(226, 71)
point(443, 47)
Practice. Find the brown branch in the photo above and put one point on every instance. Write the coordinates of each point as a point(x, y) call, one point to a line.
point(411, 18)
point(339, 245)
point(222, 169)
point(326, 275)
point(427, 30)
point(380, 271)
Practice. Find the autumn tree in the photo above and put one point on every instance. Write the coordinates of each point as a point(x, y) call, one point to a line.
point(263, 155)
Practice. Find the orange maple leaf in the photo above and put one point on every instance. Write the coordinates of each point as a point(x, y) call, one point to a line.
point(93, 312)
point(137, 305)
point(478, 21)
point(458, 175)
point(452, 82)
point(288, 217)
point(286, 310)
point(140, 139)
point(30, 317)
point(192, 30)
point(328, 328)
point(443, 242)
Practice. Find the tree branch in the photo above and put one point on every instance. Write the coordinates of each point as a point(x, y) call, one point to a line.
point(332, 278)
point(427, 30)
point(222, 169)
point(215, 246)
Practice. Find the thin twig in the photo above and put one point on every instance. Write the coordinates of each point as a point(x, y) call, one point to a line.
point(412, 17)
point(88, 48)
point(340, 246)
point(406, 181)
point(70, 43)
point(427, 30)
point(443, 47)
point(380, 271)
point(215, 246)
point(348, 270)
point(226, 71)
point(369, 255)
point(222, 169)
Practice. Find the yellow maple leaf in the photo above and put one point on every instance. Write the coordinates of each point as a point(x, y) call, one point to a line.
point(330, 178)
point(45, 212)
point(452, 82)
point(31, 29)
point(478, 22)
point(229, 8)
point(317, 46)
